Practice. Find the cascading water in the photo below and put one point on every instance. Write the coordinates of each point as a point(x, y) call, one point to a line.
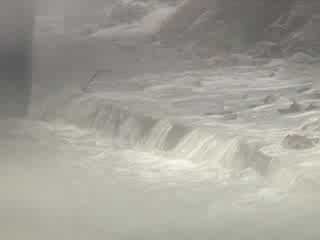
point(199, 145)
point(158, 135)
point(157, 148)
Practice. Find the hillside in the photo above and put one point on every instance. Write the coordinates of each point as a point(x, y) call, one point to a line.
point(275, 26)
point(262, 28)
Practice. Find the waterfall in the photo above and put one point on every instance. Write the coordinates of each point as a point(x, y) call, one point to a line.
point(205, 146)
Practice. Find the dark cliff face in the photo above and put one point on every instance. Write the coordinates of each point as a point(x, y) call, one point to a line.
point(254, 16)
point(240, 25)
point(16, 29)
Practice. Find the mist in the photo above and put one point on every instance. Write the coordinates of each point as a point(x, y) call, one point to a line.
point(70, 7)
point(160, 119)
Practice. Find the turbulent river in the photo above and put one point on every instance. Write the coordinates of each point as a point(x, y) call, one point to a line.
point(125, 142)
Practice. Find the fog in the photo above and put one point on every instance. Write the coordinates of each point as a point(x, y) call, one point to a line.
point(160, 119)
point(70, 7)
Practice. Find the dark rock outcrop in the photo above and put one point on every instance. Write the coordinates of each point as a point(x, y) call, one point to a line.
point(270, 28)
point(299, 142)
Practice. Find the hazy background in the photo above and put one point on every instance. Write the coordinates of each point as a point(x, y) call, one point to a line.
point(139, 129)
point(69, 7)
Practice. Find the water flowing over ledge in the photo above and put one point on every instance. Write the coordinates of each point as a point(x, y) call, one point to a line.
point(206, 146)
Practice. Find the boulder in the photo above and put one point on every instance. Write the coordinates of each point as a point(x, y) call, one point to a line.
point(269, 99)
point(293, 108)
point(299, 142)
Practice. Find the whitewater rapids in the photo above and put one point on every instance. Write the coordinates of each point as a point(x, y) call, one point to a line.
point(158, 147)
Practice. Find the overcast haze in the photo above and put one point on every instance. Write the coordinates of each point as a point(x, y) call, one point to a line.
point(69, 7)
point(160, 120)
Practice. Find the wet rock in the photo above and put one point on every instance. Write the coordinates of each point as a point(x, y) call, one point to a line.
point(303, 89)
point(306, 38)
point(269, 99)
point(209, 113)
point(225, 111)
point(293, 108)
point(255, 105)
point(301, 57)
point(230, 116)
point(315, 95)
point(245, 96)
point(311, 107)
point(299, 142)
point(88, 29)
point(273, 74)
